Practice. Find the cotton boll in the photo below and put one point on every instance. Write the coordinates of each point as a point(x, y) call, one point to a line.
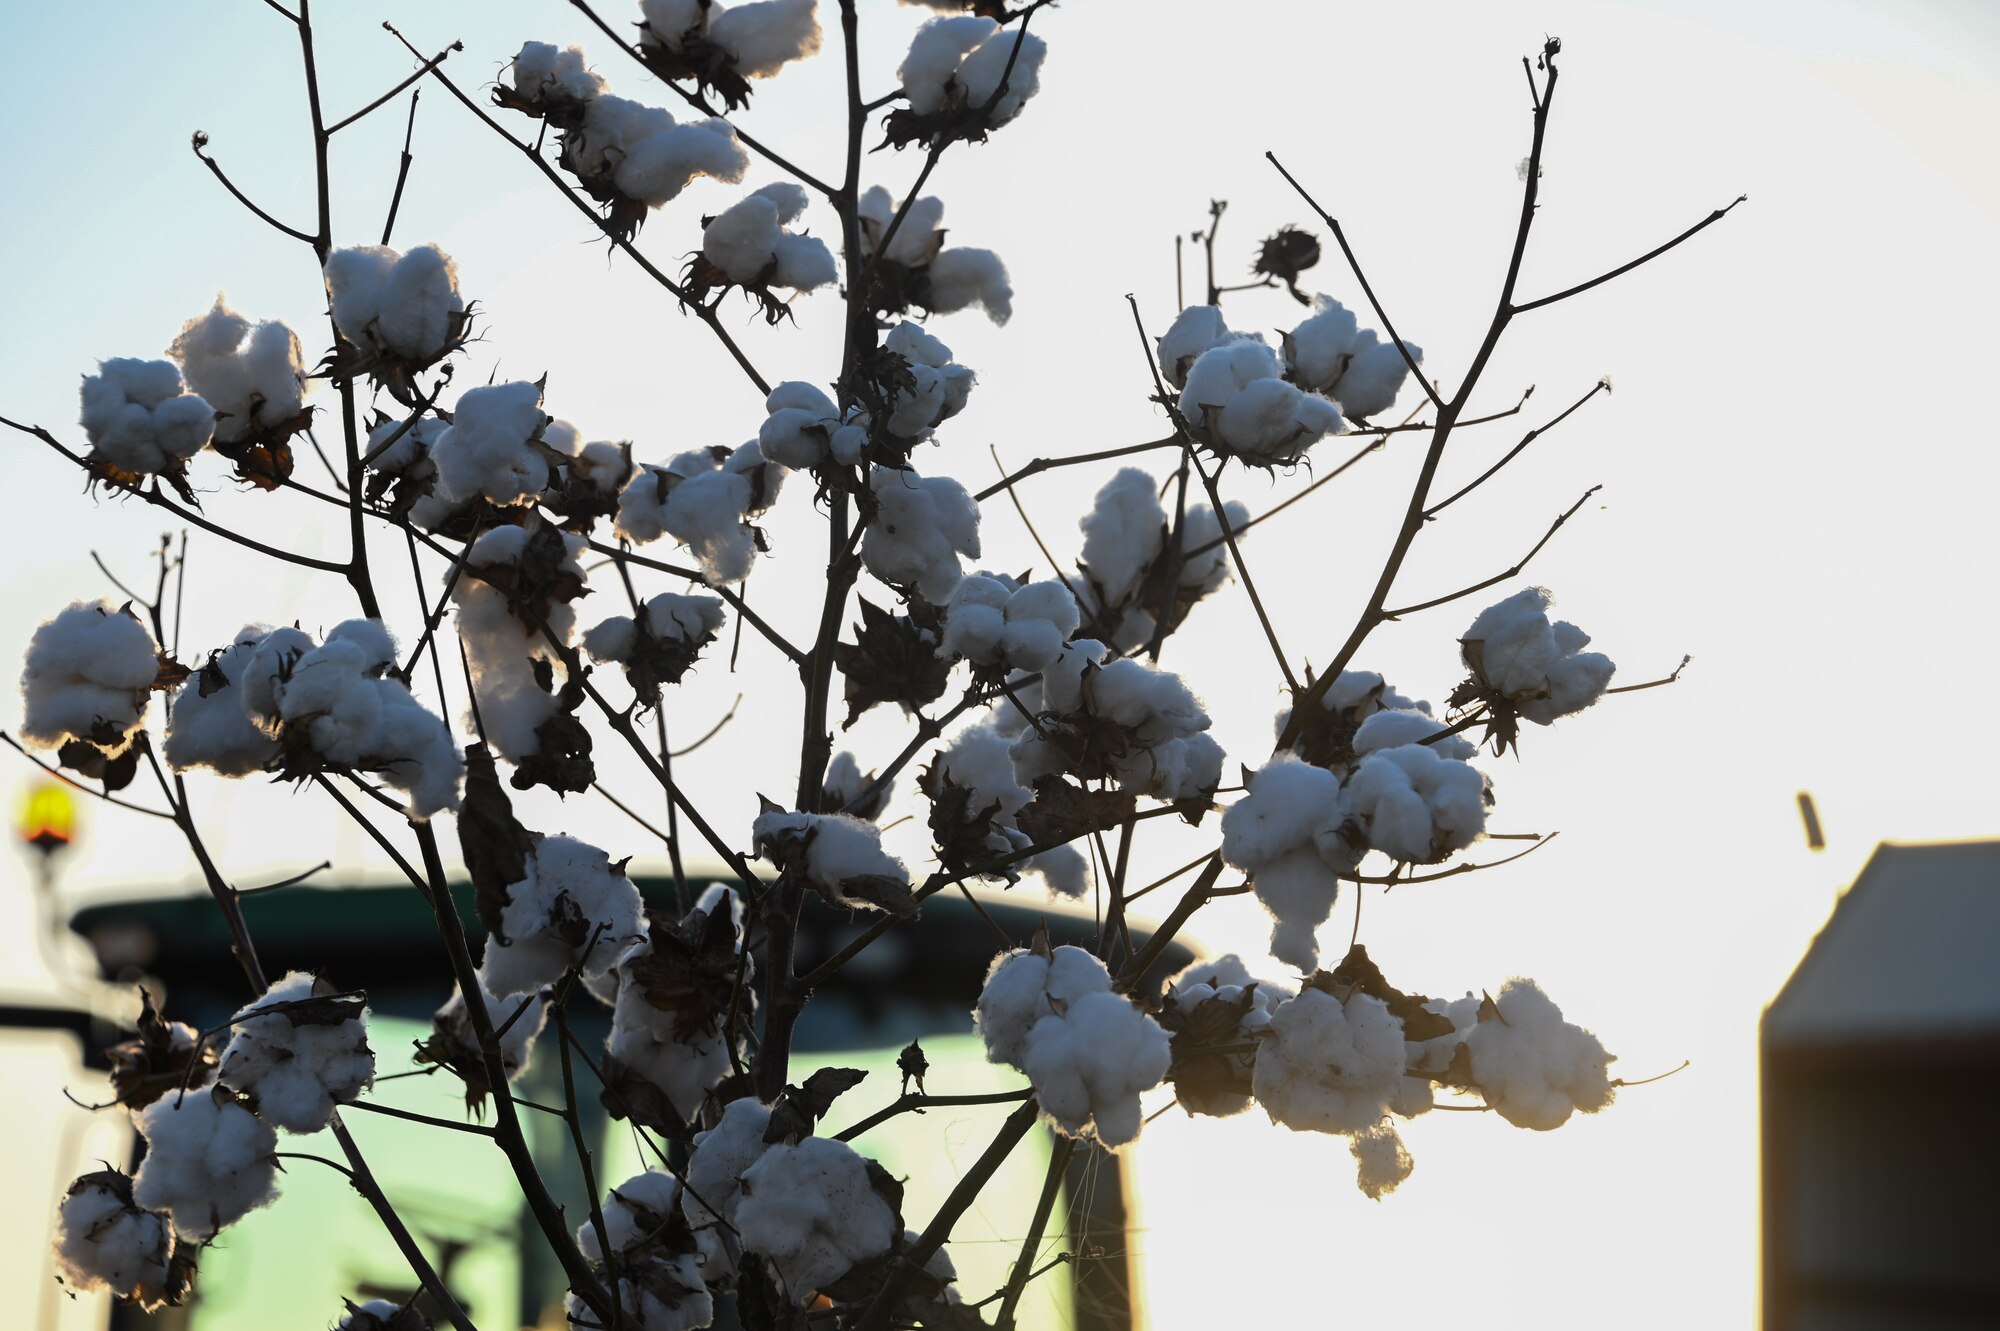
point(1089, 1063)
point(1064, 871)
point(844, 858)
point(1023, 986)
point(706, 512)
point(922, 526)
point(139, 420)
point(355, 277)
point(936, 51)
point(1381, 1161)
point(453, 1026)
point(105, 1242)
point(420, 303)
point(1533, 1067)
point(740, 240)
point(1415, 804)
point(492, 447)
point(804, 263)
point(658, 166)
point(503, 647)
point(1330, 1066)
point(1123, 533)
point(574, 909)
point(916, 241)
point(765, 35)
point(1015, 54)
point(1193, 331)
point(1398, 726)
point(208, 1162)
point(87, 675)
point(542, 74)
point(1331, 354)
point(1541, 668)
point(962, 278)
point(299, 1067)
point(800, 417)
point(252, 375)
point(813, 1211)
point(1273, 421)
point(1374, 377)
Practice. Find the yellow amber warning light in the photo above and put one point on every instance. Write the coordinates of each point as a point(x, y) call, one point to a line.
point(48, 817)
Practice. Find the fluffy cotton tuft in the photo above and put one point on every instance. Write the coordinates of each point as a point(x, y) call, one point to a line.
point(813, 1211)
point(1330, 1066)
point(956, 63)
point(1286, 834)
point(705, 501)
point(1533, 1067)
point(1416, 804)
point(646, 155)
point(844, 856)
point(208, 1162)
point(955, 279)
point(1235, 401)
point(573, 909)
point(493, 447)
point(252, 374)
point(405, 304)
point(1330, 354)
point(87, 675)
point(1123, 719)
point(503, 645)
point(749, 243)
point(1538, 667)
point(1193, 331)
point(1123, 537)
point(207, 722)
point(139, 420)
point(544, 74)
point(105, 1242)
point(1003, 628)
point(300, 1065)
point(923, 525)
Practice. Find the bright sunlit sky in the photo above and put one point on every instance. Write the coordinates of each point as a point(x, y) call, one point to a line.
point(1797, 463)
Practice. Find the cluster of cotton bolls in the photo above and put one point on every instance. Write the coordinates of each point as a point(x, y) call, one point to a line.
point(273, 699)
point(395, 306)
point(87, 676)
point(1339, 1066)
point(1234, 395)
point(979, 761)
point(454, 1040)
point(922, 525)
point(1087, 1051)
point(659, 1286)
point(724, 45)
point(841, 856)
point(954, 70)
point(1332, 355)
point(748, 242)
point(300, 1051)
point(913, 267)
point(251, 374)
point(1537, 669)
point(1212, 1007)
point(572, 908)
point(140, 419)
point(506, 626)
point(671, 1001)
point(1124, 535)
point(1534, 1068)
point(810, 1208)
point(705, 499)
point(1121, 719)
point(1000, 625)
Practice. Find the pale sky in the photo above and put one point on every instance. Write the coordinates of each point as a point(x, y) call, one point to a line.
point(1797, 479)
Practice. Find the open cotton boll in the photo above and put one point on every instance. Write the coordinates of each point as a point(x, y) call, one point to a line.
point(1025, 630)
point(764, 36)
point(654, 1294)
point(1380, 1159)
point(632, 1213)
point(916, 241)
point(574, 908)
point(87, 675)
point(844, 858)
point(208, 1162)
point(105, 1242)
point(300, 1064)
point(1533, 1067)
point(1539, 667)
point(407, 304)
point(1399, 726)
point(661, 1028)
point(1193, 331)
point(1415, 804)
point(1014, 54)
point(801, 419)
point(1329, 353)
point(659, 166)
point(962, 278)
point(1023, 986)
point(544, 73)
point(1123, 533)
point(453, 1025)
point(1330, 1066)
point(929, 71)
point(923, 524)
point(713, 1189)
point(1286, 834)
point(813, 1211)
point(251, 374)
point(1089, 1063)
point(493, 447)
point(1234, 398)
point(138, 419)
point(502, 646)
point(938, 389)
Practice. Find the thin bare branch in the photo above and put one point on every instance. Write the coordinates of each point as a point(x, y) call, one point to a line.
point(1503, 574)
point(1624, 268)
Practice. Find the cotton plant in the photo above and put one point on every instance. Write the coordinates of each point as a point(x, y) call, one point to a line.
point(913, 267)
point(1038, 716)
